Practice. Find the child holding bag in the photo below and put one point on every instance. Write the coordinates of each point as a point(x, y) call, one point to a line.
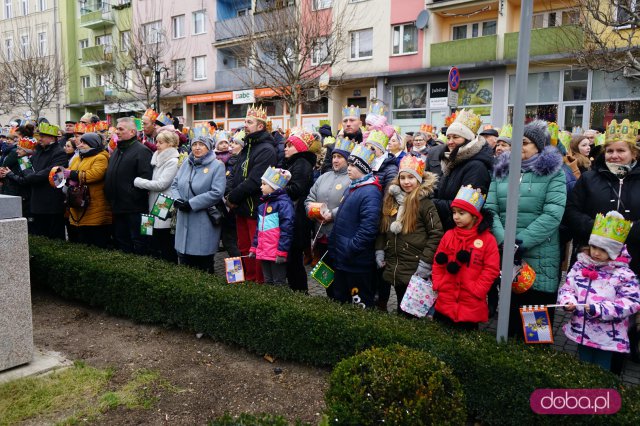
point(274, 232)
point(466, 263)
point(602, 292)
point(410, 229)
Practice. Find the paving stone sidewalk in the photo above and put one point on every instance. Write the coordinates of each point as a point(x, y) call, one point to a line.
point(630, 372)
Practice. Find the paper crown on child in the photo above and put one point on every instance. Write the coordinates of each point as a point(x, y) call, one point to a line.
point(466, 124)
point(506, 131)
point(101, 126)
point(377, 108)
point(343, 147)
point(150, 114)
point(257, 112)
point(426, 128)
point(27, 144)
point(221, 135)
point(378, 139)
point(163, 120)
point(276, 178)
point(239, 137)
point(48, 129)
point(610, 232)
point(554, 132)
point(80, 127)
point(469, 199)
point(351, 111)
point(625, 132)
point(362, 157)
point(412, 165)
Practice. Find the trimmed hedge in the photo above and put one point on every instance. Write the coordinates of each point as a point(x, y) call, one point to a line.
point(395, 385)
point(497, 379)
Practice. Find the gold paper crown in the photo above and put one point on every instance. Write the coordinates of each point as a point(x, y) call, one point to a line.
point(506, 131)
point(427, 128)
point(378, 138)
point(377, 108)
point(409, 162)
point(343, 144)
point(151, 114)
point(553, 132)
point(625, 132)
point(611, 226)
point(351, 111)
point(303, 135)
point(276, 177)
point(48, 129)
point(27, 143)
point(89, 127)
point(328, 141)
point(473, 196)
point(259, 113)
point(363, 153)
point(80, 127)
point(467, 118)
point(101, 126)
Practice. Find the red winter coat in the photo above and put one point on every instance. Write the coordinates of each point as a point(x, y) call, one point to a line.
point(462, 296)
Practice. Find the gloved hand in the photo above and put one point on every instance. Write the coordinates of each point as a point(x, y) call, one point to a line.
point(251, 255)
point(182, 205)
point(66, 173)
point(424, 270)
point(380, 259)
point(281, 259)
point(517, 257)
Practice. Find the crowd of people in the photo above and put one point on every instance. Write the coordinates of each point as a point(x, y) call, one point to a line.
point(376, 206)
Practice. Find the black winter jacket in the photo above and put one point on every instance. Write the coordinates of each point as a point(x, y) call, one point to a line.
point(130, 160)
point(301, 167)
point(258, 154)
point(387, 171)
point(470, 165)
point(44, 198)
point(9, 158)
point(600, 191)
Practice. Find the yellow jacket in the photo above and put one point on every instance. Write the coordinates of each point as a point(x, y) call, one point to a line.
point(91, 171)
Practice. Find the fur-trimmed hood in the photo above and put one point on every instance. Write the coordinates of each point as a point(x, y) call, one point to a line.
point(477, 148)
point(549, 161)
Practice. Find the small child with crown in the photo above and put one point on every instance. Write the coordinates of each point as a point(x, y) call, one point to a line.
point(274, 232)
point(466, 263)
point(602, 292)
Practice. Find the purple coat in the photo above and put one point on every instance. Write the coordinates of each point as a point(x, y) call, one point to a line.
point(612, 293)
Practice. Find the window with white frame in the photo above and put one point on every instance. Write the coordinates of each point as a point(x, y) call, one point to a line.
point(101, 80)
point(405, 39)
point(321, 4)
point(8, 9)
point(8, 49)
point(556, 18)
point(199, 19)
point(153, 32)
point(361, 43)
point(177, 26)
point(320, 52)
point(179, 67)
point(24, 45)
point(105, 40)
point(85, 81)
point(200, 68)
point(84, 43)
point(24, 7)
point(42, 5)
point(42, 44)
point(125, 41)
point(627, 12)
point(473, 29)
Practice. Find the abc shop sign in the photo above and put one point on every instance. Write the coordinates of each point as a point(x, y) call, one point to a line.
point(244, 97)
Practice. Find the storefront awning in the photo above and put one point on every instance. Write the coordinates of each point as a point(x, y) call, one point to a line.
point(227, 96)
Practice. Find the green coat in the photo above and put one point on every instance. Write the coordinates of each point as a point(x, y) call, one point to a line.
point(543, 195)
point(404, 251)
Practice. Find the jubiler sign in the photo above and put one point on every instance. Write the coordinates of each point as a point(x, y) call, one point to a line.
point(244, 97)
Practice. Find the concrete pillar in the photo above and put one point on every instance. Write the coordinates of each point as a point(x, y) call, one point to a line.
point(16, 327)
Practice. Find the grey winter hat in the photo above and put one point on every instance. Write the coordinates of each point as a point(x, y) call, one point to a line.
point(208, 142)
point(538, 132)
point(94, 140)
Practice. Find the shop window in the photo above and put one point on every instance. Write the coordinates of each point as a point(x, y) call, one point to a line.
point(410, 101)
point(603, 112)
point(238, 110)
point(321, 106)
point(613, 85)
point(273, 107)
point(220, 109)
point(575, 85)
point(533, 112)
point(203, 111)
point(542, 87)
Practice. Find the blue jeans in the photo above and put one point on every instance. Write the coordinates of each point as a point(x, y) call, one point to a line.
point(595, 356)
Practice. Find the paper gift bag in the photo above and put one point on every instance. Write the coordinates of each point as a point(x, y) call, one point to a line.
point(536, 324)
point(146, 224)
point(162, 206)
point(419, 297)
point(234, 270)
point(322, 273)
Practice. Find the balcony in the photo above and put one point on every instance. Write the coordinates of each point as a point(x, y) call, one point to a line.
point(97, 56)
point(547, 41)
point(96, 15)
point(93, 94)
point(232, 79)
point(231, 29)
point(469, 50)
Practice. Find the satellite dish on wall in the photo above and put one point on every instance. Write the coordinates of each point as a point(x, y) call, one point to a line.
point(422, 21)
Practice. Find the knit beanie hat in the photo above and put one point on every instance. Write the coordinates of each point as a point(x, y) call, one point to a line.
point(362, 158)
point(325, 130)
point(470, 200)
point(208, 142)
point(301, 140)
point(610, 232)
point(538, 132)
point(94, 140)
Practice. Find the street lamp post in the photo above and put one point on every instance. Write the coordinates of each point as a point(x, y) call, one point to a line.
point(156, 69)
